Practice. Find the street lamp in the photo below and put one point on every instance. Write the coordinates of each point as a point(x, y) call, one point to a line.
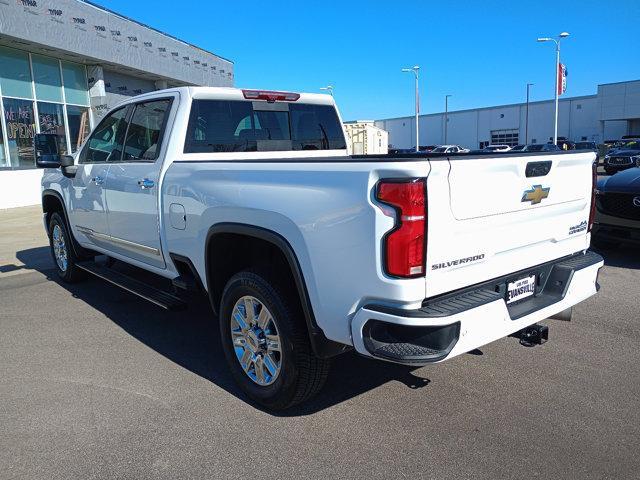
point(446, 117)
point(328, 88)
point(415, 69)
point(557, 42)
point(526, 122)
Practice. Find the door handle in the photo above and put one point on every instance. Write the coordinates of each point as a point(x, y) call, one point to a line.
point(146, 183)
point(98, 180)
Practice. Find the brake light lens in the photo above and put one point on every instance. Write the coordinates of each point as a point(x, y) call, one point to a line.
point(404, 246)
point(270, 96)
point(594, 192)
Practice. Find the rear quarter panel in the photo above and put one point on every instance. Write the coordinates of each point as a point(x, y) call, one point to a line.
point(324, 209)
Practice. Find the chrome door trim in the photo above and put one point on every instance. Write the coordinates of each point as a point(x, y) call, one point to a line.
point(119, 241)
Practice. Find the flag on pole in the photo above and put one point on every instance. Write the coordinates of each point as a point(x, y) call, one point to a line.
point(562, 79)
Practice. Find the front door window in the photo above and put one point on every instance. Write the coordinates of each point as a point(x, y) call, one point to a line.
point(105, 143)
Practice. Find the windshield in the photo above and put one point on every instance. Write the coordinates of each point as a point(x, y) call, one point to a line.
point(439, 150)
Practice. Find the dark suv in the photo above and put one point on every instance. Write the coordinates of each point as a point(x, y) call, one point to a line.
point(618, 209)
point(627, 156)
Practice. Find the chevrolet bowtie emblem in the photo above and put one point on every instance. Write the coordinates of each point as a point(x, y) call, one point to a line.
point(536, 194)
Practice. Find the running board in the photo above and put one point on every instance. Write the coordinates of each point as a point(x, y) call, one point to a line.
point(158, 297)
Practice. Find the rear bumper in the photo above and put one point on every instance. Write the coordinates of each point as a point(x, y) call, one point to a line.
point(461, 321)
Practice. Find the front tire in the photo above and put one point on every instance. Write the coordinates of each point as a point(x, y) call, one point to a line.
point(266, 344)
point(62, 251)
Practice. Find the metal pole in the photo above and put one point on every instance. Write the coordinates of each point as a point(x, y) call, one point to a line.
point(417, 113)
point(526, 122)
point(446, 117)
point(555, 123)
point(415, 70)
point(446, 111)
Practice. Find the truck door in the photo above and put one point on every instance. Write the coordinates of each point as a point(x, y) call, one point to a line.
point(131, 189)
point(88, 212)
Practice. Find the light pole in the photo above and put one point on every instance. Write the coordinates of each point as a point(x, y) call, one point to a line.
point(557, 42)
point(415, 69)
point(328, 88)
point(446, 117)
point(526, 121)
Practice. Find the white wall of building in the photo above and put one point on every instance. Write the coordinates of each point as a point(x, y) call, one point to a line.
point(577, 118)
point(618, 101)
point(19, 188)
point(612, 113)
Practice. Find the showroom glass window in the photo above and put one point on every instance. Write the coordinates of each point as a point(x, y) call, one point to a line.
point(51, 120)
point(21, 126)
point(40, 94)
point(46, 76)
point(15, 74)
point(4, 161)
point(79, 127)
point(75, 83)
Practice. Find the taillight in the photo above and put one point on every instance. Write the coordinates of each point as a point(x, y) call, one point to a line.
point(270, 96)
point(594, 184)
point(404, 246)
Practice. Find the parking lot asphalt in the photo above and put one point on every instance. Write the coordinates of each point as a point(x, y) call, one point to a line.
point(95, 383)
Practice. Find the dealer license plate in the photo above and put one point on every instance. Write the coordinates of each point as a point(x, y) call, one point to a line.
point(523, 288)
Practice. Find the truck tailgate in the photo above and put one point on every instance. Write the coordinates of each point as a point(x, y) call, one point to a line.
point(503, 214)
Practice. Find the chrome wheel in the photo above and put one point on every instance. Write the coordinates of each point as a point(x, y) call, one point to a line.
point(59, 248)
point(256, 341)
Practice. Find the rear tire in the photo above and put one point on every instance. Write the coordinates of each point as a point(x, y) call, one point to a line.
point(64, 257)
point(255, 315)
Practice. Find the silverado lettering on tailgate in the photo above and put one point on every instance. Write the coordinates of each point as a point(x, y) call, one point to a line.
point(459, 261)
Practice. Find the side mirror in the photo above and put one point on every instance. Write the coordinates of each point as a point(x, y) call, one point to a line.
point(45, 146)
point(48, 161)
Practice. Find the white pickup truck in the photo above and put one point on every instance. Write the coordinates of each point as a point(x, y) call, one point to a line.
point(305, 251)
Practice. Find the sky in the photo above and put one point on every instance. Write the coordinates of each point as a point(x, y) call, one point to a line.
point(482, 53)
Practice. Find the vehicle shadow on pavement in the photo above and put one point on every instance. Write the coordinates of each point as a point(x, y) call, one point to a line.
point(622, 257)
point(190, 339)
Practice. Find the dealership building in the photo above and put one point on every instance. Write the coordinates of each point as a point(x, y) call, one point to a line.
point(608, 115)
point(65, 63)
